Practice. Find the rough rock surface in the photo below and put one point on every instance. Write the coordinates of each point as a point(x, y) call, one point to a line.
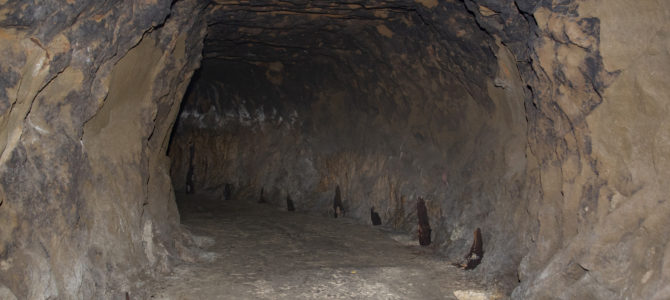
point(544, 123)
point(601, 118)
point(88, 94)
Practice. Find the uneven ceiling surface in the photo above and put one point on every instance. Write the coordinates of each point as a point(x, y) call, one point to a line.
point(544, 123)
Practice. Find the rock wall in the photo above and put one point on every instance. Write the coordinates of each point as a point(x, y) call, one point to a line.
point(88, 96)
point(542, 122)
point(601, 214)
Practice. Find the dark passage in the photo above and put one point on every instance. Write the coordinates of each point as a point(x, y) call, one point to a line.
point(375, 114)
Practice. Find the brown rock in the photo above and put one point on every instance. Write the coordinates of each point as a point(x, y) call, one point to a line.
point(543, 121)
point(472, 259)
point(424, 227)
point(374, 217)
point(338, 207)
point(289, 203)
point(261, 199)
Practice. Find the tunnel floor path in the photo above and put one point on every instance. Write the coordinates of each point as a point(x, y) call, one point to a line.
point(256, 251)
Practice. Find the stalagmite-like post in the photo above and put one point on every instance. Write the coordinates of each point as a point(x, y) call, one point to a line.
point(289, 203)
point(337, 203)
point(424, 226)
point(476, 253)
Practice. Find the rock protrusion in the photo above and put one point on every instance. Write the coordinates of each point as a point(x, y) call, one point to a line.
point(338, 207)
point(227, 191)
point(289, 203)
point(262, 198)
point(374, 217)
point(189, 173)
point(474, 256)
point(424, 226)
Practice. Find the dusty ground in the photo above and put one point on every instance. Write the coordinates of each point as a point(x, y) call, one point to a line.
point(259, 252)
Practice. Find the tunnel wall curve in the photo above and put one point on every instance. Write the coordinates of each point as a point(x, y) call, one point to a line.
point(502, 122)
point(575, 206)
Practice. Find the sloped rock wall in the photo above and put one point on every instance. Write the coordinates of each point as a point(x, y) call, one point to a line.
point(601, 211)
point(88, 95)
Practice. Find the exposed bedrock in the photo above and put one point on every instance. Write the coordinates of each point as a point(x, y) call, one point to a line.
point(88, 94)
point(543, 123)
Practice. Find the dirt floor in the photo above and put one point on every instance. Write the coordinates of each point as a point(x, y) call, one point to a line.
point(255, 251)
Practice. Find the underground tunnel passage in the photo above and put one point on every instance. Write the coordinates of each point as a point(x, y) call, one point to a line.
point(243, 150)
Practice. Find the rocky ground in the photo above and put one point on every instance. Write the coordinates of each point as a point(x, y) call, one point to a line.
point(255, 251)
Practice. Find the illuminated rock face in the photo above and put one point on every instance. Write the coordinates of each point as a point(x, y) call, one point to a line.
point(544, 123)
point(87, 98)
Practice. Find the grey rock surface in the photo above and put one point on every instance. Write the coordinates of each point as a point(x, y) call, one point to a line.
point(544, 123)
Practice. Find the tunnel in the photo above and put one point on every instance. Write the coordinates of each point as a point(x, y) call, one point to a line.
point(387, 149)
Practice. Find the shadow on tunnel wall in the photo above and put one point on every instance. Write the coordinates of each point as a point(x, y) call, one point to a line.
point(381, 108)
